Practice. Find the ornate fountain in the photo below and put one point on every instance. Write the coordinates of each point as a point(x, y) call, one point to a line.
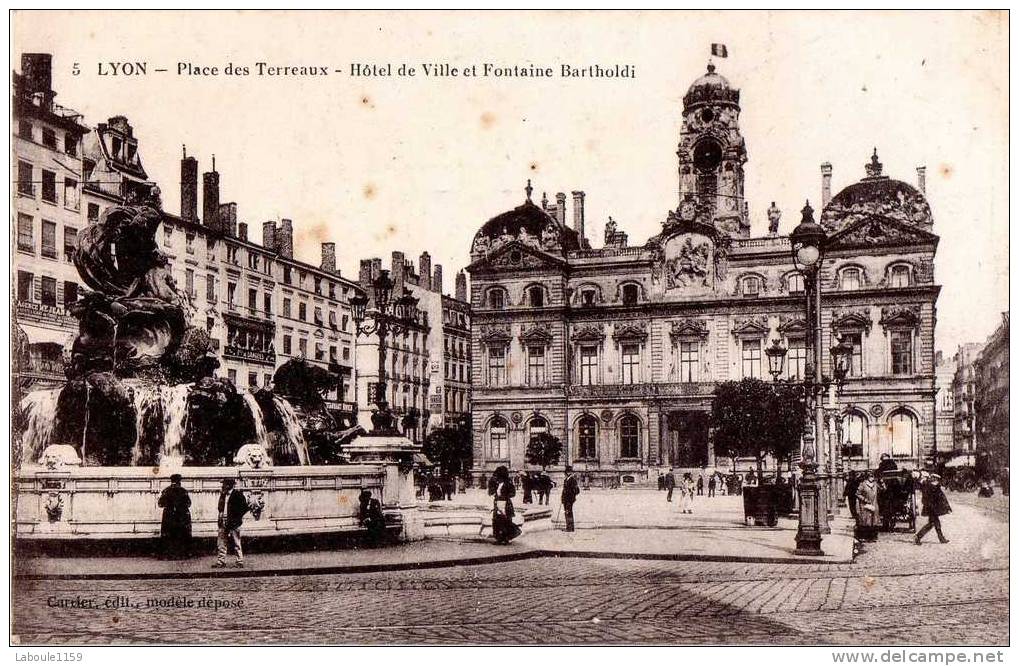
point(142, 401)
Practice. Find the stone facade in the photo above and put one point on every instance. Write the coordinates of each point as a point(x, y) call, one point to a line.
point(991, 404)
point(617, 350)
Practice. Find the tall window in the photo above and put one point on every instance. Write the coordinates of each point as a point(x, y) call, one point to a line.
point(252, 300)
point(49, 138)
point(25, 184)
point(25, 286)
point(70, 242)
point(856, 358)
point(71, 197)
point(287, 344)
point(302, 346)
point(796, 283)
point(587, 429)
point(498, 446)
point(70, 293)
point(903, 431)
point(902, 352)
point(536, 297)
point(496, 299)
point(210, 288)
point(70, 144)
point(49, 291)
point(751, 355)
point(537, 426)
point(49, 186)
point(267, 302)
point(688, 353)
point(302, 311)
point(497, 365)
point(49, 239)
point(25, 129)
point(631, 294)
point(189, 282)
point(536, 365)
point(286, 307)
point(629, 437)
point(751, 287)
point(93, 212)
point(899, 276)
point(631, 363)
point(25, 241)
point(588, 365)
point(853, 434)
point(231, 294)
point(796, 360)
point(851, 279)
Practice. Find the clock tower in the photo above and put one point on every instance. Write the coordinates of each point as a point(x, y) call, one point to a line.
point(712, 154)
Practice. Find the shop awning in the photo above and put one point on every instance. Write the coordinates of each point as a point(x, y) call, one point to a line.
point(59, 336)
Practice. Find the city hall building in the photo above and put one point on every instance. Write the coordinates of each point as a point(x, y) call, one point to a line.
point(617, 349)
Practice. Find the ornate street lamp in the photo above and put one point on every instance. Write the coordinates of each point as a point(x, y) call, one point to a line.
point(776, 358)
point(384, 317)
point(808, 242)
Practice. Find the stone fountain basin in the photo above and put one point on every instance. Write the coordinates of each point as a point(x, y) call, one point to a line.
point(121, 502)
point(441, 519)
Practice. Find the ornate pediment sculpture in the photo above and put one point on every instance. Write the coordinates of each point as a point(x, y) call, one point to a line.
point(536, 334)
point(900, 316)
point(690, 267)
point(588, 333)
point(792, 326)
point(689, 328)
point(636, 330)
point(756, 326)
point(844, 320)
point(495, 334)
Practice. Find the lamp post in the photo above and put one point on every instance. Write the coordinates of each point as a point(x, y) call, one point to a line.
point(384, 317)
point(808, 241)
point(841, 357)
point(776, 358)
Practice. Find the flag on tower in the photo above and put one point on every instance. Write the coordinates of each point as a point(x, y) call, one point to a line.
point(719, 51)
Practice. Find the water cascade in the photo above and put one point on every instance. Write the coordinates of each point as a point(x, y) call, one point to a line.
point(292, 426)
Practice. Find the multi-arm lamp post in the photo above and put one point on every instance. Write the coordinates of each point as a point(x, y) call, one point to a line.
point(384, 317)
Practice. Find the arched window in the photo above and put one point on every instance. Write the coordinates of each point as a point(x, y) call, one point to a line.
point(750, 286)
point(631, 294)
point(850, 279)
point(899, 276)
point(587, 430)
point(498, 444)
point(497, 298)
point(795, 283)
point(535, 296)
point(854, 434)
point(902, 426)
point(537, 426)
point(629, 437)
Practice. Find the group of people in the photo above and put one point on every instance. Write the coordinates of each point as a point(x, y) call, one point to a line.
point(717, 483)
point(506, 525)
point(536, 483)
point(233, 505)
point(441, 487)
point(874, 498)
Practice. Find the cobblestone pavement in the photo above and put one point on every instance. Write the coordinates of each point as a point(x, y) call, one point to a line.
point(894, 593)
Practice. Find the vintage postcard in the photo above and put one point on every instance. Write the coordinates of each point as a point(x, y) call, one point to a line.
point(515, 328)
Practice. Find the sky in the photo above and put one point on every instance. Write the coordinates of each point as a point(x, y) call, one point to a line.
point(420, 163)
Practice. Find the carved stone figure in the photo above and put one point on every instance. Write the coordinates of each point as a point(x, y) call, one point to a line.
point(550, 237)
point(252, 456)
point(774, 215)
point(690, 266)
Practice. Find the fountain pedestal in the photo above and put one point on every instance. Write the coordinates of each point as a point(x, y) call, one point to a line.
point(395, 454)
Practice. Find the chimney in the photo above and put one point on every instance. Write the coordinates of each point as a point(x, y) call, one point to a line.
point(210, 198)
point(399, 272)
point(37, 73)
point(188, 188)
point(921, 179)
point(560, 207)
point(269, 235)
point(329, 257)
point(578, 215)
point(228, 218)
point(825, 184)
point(461, 286)
point(437, 280)
point(242, 231)
point(364, 276)
point(285, 239)
point(425, 270)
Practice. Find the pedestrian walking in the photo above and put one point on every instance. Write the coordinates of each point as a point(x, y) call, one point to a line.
point(502, 491)
point(852, 483)
point(935, 505)
point(569, 496)
point(175, 528)
point(661, 481)
point(670, 484)
point(232, 508)
point(700, 484)
point(688, 483)
point(867, 509)
point(712, 484)
point(527, 482)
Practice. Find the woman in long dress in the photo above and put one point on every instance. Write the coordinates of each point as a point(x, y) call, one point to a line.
point(867, 509)
point(502, 491)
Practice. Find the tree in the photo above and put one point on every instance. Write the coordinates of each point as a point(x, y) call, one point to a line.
point(752, 419)
point(450, 448)
point(544, 450)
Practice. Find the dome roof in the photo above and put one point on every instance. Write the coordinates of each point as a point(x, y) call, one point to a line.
point(528, 223)
point(710, 88)
point(877, 194)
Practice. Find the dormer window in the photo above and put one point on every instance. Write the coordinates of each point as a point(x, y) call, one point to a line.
point(850, 279)
point(115, 146)
point(631, 294)
point(536, 297)
point(587, 297)
point(751, 287)
point(899, 276)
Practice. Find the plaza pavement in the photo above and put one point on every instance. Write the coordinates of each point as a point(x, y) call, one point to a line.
point(624, 524)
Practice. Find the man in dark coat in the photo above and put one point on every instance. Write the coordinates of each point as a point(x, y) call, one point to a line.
point(935, 505)
point(371, 517)
point(670, 484)
point(569, 496)
point(852, 483)
point(175, 529)
point(545, 485)
point(886, 464)
point(232, 506)
point(527, 482)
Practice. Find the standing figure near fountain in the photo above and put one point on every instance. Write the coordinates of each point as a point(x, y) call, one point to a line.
point(232, 507)
point(175, 529)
